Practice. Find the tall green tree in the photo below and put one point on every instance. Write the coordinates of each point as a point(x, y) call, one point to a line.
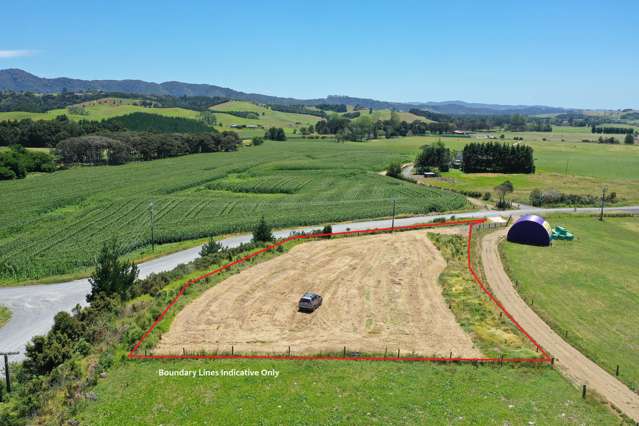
point(112, 276)
point(263, 232)
point(434, 155)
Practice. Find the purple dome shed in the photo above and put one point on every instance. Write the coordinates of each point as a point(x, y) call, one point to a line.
point(530, 229)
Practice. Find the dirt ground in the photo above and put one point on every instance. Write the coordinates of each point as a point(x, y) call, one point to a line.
point(380, 291)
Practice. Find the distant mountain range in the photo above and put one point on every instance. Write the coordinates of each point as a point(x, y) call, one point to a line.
point(18, 80)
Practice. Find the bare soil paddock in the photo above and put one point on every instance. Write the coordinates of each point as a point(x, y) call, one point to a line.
point(380, 291)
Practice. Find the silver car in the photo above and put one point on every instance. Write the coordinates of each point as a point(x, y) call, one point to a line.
point(309, 302)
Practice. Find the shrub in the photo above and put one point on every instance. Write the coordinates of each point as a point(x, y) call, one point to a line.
point(394, 169)
point(210, 247)
point(487, 196)
point(536, 198)
point(6, 173)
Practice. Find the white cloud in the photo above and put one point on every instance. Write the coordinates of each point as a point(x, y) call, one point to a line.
point(16, 53)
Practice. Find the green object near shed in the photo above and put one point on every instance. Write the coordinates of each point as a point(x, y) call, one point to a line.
point(561, 233)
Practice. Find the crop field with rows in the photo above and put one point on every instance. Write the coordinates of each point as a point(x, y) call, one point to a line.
point(55, 224)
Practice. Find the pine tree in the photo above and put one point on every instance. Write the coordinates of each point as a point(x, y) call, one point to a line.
point(111, 276)
point(262, 232)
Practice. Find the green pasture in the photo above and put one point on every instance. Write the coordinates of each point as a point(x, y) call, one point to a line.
point(267, 117)
point(339, 392)
point(568, 166)
point(587, 289)
point(100, 111)
point(106, 108)
point(385, 114)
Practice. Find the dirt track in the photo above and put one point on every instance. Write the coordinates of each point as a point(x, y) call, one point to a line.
point(379, 291)
point(572, 363)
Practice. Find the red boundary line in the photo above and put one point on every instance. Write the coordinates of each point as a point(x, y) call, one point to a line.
point(471, 222)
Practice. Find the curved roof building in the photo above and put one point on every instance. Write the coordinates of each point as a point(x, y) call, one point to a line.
point(530, 229)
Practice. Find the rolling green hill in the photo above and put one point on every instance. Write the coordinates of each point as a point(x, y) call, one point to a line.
point(266, 116)
point(107, 108)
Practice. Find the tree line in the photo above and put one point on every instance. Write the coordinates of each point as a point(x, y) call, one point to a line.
point(123, 147)
point(514, 122)
point(145, 122)
point(494, 157)
point(36, 102)
point(332, 107)
point(47, 133)
point(612, 130)
point(360, 128)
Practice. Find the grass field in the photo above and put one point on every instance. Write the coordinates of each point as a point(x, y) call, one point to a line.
point(113, 107)
point(57, 222)
point(587, 289)
point(339, 392)
point(267, 117)
point(569, 166)
point(5, 315)
point(385, 114)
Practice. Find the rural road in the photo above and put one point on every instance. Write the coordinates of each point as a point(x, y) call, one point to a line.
point(33, 307)
point(572, 363)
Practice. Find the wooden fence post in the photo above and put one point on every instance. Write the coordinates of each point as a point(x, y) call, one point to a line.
point(583, 392)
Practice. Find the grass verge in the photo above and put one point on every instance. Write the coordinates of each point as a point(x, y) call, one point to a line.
point(493, 333)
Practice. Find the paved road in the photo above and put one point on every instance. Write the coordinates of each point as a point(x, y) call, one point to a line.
point(34, 307)
point(572, 363)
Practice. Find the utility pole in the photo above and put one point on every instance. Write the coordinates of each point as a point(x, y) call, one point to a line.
point(152, 226)
point(603, 200)
point(393, 223)
point(7, 376)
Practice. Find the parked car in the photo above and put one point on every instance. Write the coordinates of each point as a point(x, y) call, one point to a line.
point(309, 302)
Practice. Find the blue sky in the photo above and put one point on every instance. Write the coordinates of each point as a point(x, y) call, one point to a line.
point(565, 53)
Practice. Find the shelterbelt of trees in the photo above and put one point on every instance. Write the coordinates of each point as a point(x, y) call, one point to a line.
point(134, 137)
point(612, 130)
point(478, 157)
point(47, 133)
point(37, 102)
point(122, 147)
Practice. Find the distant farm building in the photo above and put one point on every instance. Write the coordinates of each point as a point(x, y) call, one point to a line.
point(530, 229)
